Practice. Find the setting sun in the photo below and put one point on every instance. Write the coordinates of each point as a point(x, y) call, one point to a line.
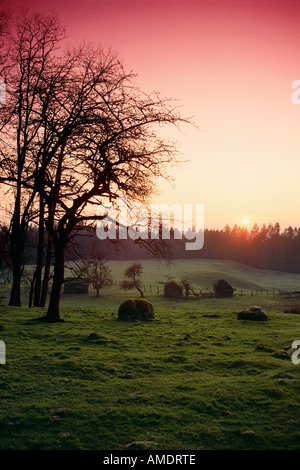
point(245, 220)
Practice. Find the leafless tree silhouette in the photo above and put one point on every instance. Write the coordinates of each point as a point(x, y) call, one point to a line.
point(26, 59)
point(93, 267)
point(81, 133)
point(133, 274)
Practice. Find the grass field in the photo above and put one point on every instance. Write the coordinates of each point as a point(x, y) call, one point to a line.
point(203, 272)
point(195, 377)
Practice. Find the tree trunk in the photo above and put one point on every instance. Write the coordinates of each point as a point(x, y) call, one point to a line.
point(46, 272)
point(53, 314)
point(40, 257)
point(141, 292)
point(17, 247)
point(15, 294)
point(5, 246)
point(16, 254)
point(31, 291)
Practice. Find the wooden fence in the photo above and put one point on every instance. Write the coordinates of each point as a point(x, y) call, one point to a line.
point(158, 289)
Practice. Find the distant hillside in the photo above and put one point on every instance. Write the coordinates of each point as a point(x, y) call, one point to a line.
point(203, 272)
point(265, 248)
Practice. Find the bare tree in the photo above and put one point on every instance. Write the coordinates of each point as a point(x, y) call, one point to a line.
point(5, 18)
point(28, 50)
point(94, 268)
point(105, 145)
point(133, 274)
point(82, 134)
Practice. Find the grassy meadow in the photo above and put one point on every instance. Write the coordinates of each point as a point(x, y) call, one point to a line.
point(195, 377)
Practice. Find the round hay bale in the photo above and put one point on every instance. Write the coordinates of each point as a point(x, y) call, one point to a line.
point(253, 313)
point(136, 309)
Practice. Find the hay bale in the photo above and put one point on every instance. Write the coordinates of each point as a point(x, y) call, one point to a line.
point(253, 313)
point(136, 309)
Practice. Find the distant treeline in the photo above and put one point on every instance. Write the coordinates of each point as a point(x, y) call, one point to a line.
point(266, 247)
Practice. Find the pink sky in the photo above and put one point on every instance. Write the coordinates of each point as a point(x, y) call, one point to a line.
point(230, 64)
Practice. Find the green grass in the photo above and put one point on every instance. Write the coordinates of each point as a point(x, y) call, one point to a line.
point(203, 272)
point(200, 272)
point(194, 378)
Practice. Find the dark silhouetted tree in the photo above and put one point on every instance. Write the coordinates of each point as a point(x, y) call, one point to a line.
point(27, 57)
point(82, 134)
point(94, 268)
point(133, 274)
point(106, 146)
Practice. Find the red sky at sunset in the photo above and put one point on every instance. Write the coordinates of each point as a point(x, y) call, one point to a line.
point(230, 65)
